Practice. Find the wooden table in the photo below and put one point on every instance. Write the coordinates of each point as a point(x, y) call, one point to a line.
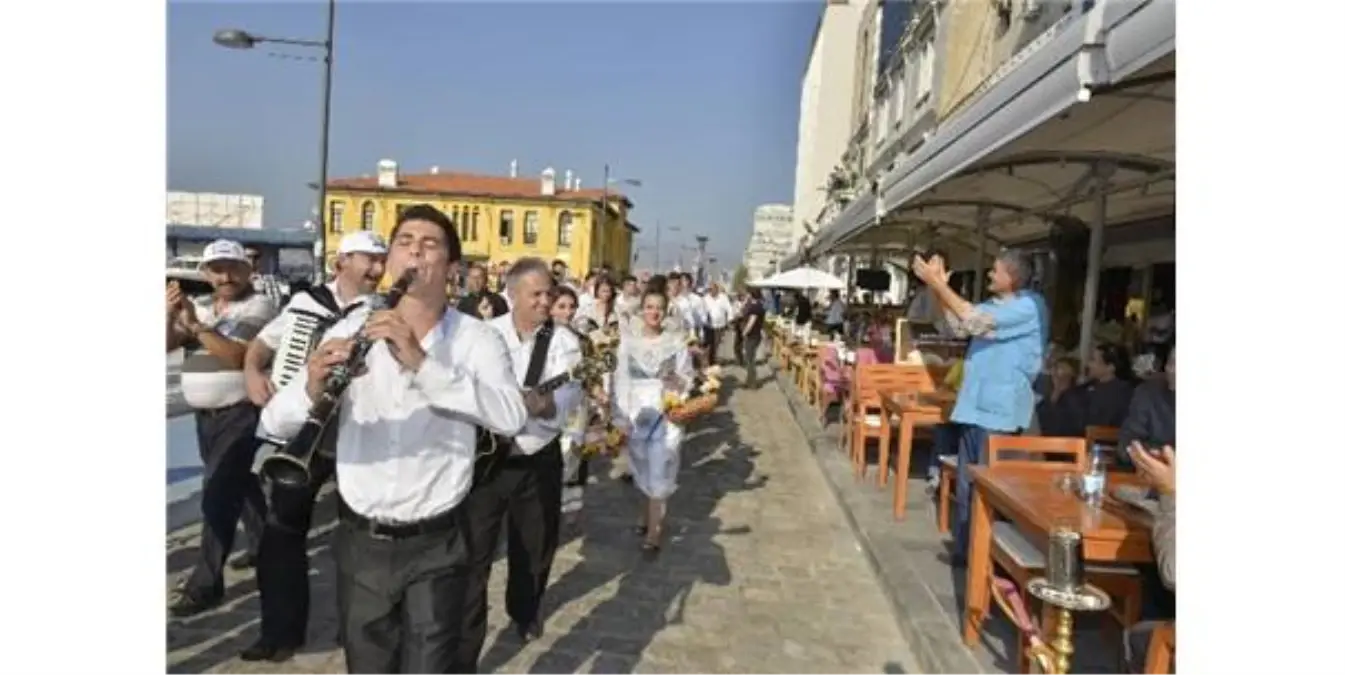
point(918, 410)
point(1027, 496)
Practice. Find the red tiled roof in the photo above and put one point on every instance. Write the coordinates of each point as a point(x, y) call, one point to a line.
point(474, 185)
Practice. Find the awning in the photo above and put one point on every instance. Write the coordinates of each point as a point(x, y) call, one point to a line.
point(1035, 122)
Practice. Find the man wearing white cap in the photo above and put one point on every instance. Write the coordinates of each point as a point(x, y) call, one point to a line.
point(213, 331)
point(283, 346)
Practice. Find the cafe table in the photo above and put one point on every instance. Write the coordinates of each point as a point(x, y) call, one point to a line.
point(911, 411)
point(1028, 496)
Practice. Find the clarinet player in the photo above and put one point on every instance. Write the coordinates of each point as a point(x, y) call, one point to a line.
point(406, 445)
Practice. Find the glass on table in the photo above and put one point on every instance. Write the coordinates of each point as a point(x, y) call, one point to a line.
point(1069, 482)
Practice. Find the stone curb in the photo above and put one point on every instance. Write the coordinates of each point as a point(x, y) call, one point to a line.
point(935, 641)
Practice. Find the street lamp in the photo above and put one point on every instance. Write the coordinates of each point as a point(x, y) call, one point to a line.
point(607, 182)
point(234, 38)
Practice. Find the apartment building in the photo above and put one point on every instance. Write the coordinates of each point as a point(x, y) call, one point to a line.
point(772, 238)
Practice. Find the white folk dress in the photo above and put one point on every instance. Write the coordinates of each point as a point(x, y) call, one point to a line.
point(653, 444)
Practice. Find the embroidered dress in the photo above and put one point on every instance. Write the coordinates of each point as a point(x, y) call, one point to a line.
point(648, 367)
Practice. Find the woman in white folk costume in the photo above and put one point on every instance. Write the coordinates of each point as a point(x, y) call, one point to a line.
point(601, 314)
point(652, 364)
point(563, 308)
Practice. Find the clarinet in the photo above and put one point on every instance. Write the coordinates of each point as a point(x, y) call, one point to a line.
point(288, 467)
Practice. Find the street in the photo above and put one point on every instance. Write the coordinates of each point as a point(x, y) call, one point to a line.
point(760, 573)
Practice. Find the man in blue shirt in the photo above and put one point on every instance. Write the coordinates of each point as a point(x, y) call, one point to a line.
point(1002, 362)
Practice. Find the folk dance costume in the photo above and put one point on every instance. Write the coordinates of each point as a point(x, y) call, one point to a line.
point(405, 449)
point(645, 366)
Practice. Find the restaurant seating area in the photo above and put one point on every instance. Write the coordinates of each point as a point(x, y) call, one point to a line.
point(882, 417)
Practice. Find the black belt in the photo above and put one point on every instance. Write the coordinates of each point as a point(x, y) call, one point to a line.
point(381, 530)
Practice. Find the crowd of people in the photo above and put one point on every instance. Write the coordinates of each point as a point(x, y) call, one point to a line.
point(467, 418)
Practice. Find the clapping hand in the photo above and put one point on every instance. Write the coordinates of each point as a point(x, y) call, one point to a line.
point(931, 271)
point(1158, 470)
point(402, 342)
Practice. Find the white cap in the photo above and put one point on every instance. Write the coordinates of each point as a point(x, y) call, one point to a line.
point(362, 241)
point(224, 249)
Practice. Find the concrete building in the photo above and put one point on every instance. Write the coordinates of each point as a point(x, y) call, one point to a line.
point(772, 230)
point(827, 105)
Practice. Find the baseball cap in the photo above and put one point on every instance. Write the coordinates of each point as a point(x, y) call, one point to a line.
point(224, 249)
point(362, 241)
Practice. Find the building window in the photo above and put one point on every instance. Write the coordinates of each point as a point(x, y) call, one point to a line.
point(925, 81)
point(506, 227)
point(456, 217)
point(564, 229)
point(367, 216)
point(335, 215)
point(530, 228)
point(476, 217)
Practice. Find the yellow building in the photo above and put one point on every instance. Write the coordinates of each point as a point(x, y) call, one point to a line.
point(499, 218)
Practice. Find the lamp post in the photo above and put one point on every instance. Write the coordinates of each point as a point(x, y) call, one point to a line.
point(658, 242)
point(235, 38)
point(607, 182)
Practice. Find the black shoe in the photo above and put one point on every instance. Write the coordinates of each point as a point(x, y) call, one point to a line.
point(263, 650)
point(528, 631)
point(649, 550)
point(243, 562)
point(188, 604)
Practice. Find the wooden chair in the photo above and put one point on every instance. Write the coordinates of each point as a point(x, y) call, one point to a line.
point(1020, 558)
point(1162, 649)
point(833, 380)
point(865, 407)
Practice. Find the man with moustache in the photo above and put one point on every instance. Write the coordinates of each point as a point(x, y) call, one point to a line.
point(476, 291)
point(214, 331)
point(283, 346)
point(405, 447)
point(526, 490)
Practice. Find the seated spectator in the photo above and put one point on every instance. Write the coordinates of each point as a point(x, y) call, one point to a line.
point(1110, 386)
point(1152, 418)
point(1158, 469)
point(1061, 411)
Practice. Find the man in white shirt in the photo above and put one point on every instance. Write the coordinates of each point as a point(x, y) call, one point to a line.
point(719, 309)
point(526, 489)
point(213, 332)
point(282, 347)
point(405, 448)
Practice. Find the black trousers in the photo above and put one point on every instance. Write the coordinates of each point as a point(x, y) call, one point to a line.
point(282, 558)
point(400, 601)
point(228, 444)
point(525, 494)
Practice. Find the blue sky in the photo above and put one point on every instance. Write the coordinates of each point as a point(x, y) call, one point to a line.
point(699, 100)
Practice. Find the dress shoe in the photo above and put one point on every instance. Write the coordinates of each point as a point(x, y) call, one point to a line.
point(243, 562)
point(263, 650)
point(188, 605)
point(528, 631)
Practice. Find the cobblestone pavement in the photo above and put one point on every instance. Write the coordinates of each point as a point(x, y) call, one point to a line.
point(760, 573)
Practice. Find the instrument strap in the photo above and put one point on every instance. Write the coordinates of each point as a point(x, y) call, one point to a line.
point(540, 346)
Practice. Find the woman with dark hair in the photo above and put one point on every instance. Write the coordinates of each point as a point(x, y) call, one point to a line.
point(490, 306)
point(601, 311)
point(652, 362)
point(564, 304)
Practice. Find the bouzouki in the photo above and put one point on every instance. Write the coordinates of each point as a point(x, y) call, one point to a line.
point(492, 448)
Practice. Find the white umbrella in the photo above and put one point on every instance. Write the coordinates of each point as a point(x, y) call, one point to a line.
point(801, 278)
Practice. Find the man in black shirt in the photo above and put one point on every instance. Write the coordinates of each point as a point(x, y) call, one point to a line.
point(753, 316)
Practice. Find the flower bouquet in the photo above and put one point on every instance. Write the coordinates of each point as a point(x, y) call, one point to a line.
point(704, 396)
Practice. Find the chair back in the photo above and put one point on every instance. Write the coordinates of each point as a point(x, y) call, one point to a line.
point(871, 378)
point(1047, 452)
point(865, 355)
point(829, 364)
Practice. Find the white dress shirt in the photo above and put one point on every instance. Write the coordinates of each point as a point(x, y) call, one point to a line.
point(562, 354)
point(720, 309)
point(406, 442)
